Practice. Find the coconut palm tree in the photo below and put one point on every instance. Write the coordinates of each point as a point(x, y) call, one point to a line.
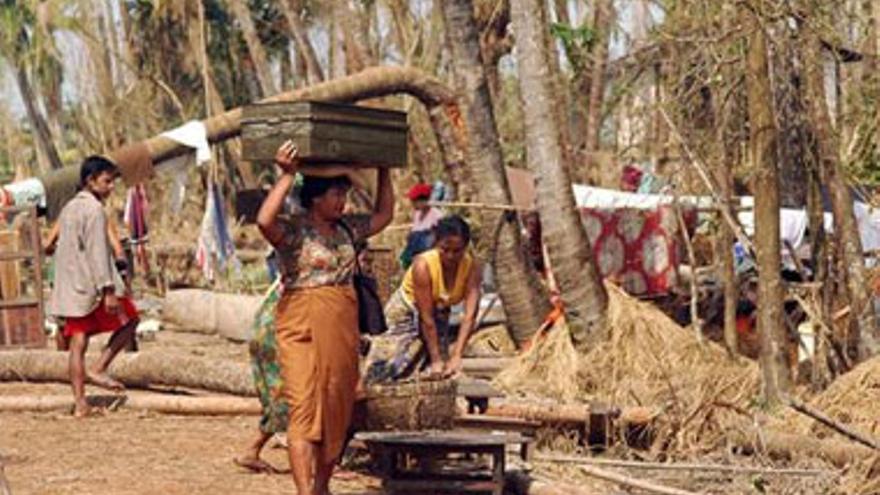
point(523, 300)
point(569, 249)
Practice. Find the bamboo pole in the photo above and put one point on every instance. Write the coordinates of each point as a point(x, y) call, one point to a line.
point(833, 424)
point(734, 224)
point(629, 481)
point(665, 466)
point(477, 206)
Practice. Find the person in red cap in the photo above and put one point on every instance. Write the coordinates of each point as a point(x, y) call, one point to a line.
point(424, 218)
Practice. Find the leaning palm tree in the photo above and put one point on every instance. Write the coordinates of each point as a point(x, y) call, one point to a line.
point(569, 249)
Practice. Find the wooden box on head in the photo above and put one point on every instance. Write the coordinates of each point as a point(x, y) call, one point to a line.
point(325, 133)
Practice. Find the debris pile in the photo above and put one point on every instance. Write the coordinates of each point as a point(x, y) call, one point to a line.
point(697, 389)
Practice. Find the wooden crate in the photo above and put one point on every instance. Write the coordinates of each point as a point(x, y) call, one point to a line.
point(325, 133)
point(21, 286)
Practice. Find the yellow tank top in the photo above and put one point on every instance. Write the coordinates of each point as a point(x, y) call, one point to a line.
point(443, 298)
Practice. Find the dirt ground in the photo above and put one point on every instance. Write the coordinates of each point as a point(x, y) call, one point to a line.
point(130, 452)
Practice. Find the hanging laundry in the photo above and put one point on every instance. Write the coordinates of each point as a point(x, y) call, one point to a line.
point(215, 241)
point(136, 211)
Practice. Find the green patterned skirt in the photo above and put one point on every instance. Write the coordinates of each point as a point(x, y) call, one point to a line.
point(264, 365)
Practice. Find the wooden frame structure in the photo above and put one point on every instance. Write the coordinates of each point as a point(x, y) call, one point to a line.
point(21, 316)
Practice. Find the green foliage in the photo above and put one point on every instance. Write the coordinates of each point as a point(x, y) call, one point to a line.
point(576, 41)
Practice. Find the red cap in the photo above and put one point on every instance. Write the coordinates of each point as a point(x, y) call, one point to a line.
point(419, 191)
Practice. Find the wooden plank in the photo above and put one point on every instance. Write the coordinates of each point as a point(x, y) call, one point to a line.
point(440, 439)
point(17, 255)
point(19, 303)
point(496, 423)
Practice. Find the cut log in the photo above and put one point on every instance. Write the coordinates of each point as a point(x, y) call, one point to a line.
point(167, 404)
point(136, 370)
point(203, 311)
point(552, 414)
point(787, 446)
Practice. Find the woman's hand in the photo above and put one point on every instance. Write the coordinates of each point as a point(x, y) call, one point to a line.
point(453, 366)
point(286, 157)
point(436, 371)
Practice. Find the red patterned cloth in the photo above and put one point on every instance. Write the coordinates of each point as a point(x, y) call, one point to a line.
point(636, 248)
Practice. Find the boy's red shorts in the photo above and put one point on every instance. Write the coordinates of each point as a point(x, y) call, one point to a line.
point(99, 320)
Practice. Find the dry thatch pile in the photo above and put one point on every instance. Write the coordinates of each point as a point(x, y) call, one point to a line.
point(853, 399)
point(649, 361)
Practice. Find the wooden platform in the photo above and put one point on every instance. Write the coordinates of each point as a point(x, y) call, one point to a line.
point(441, 460)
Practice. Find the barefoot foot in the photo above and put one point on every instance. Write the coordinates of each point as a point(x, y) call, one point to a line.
point(103, 380)
point(254, 464)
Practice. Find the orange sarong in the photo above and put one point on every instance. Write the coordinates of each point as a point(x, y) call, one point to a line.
point(318, 338)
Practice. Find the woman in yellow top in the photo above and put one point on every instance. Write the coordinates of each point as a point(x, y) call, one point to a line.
point(418, 312)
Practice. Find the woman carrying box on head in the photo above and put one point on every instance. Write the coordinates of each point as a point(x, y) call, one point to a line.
point(316, 319)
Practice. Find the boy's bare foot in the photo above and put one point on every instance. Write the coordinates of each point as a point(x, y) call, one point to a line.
point(103, 380)
point(81, 411)
point(255, 464)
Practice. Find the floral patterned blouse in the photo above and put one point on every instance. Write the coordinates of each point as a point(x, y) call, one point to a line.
point(308, 259)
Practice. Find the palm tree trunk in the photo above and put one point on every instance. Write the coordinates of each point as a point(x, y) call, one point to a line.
point(762, 151)
point(863, 339)
point(242, 15)
point(524, 302)
point(304, 48)
point(39, 127)
point(570, 253)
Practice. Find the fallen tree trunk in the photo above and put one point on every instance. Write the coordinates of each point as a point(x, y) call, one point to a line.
point(787, 446)
point(369, 83)
point(204, 311)
point(167, 404)
point(136, 370)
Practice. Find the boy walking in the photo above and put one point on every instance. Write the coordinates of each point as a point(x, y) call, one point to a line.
point(88, 293)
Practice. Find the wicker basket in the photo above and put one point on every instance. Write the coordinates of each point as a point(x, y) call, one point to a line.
point(417, 405)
